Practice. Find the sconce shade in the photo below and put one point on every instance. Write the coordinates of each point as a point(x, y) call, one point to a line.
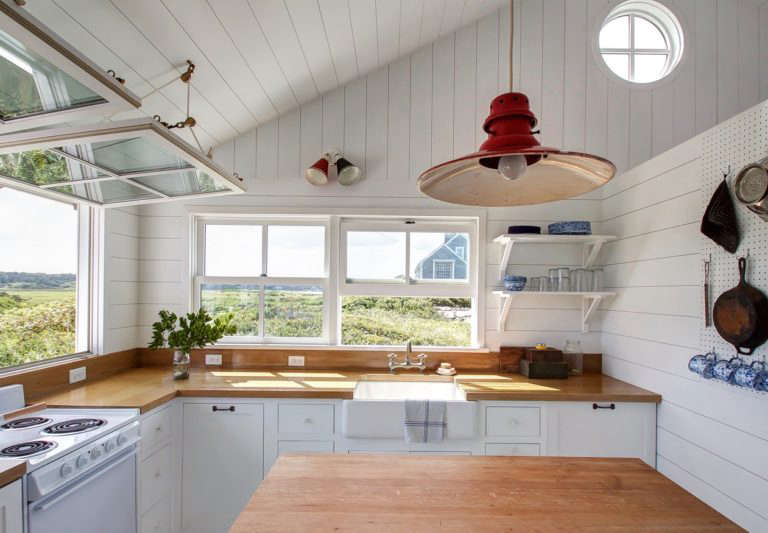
point(317, 174)
point(348, 174)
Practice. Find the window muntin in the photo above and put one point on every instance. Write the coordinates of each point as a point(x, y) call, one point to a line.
point(270, 274)
point(641, 41)
point(44, 280)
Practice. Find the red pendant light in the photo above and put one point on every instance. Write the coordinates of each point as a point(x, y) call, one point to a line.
point(511, 168)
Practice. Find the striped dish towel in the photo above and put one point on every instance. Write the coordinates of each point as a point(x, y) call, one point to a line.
point(424, 420)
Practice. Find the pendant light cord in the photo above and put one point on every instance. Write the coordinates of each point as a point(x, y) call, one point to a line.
point(511, 45)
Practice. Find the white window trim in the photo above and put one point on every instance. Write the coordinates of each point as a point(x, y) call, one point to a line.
point(473, 219)
point(263, 280)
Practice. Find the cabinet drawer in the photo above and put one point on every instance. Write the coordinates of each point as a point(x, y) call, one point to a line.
point(312, 446)
point(11, 507)
point(512, 421)
point(156, 474)
point(157, 519)
point(522, 449)
point(156, 430)
point(305, 419)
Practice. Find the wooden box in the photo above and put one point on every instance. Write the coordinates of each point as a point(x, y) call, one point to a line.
point(551, 355)
point(544, 369)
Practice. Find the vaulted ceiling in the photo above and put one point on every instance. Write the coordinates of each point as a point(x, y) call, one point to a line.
point(255, 59)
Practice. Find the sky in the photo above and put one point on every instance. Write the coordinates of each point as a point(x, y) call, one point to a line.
point(235, 250)
point(36, 234)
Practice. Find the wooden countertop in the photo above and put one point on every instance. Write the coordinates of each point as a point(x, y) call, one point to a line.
point(346, 493)
point(11, 470)
point(146, 388)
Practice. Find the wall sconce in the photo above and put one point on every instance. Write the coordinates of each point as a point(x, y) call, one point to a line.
point(346, 173)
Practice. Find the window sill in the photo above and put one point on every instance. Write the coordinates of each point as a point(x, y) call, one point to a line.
point(345, 348)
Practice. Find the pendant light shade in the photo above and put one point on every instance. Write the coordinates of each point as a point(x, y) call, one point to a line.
point(511, 168)
point(348, 174)
point(317, 174)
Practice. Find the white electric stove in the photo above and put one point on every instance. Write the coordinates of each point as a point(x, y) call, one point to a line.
point(81, 464)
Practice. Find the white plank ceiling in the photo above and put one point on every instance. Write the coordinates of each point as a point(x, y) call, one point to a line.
point(256, 59)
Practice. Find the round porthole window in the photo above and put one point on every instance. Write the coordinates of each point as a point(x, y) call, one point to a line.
point(641, 41)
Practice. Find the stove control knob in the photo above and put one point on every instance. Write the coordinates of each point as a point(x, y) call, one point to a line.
point(121, 439)
point(95, 453)
point(81, 461)
point(65, 470)
point(109, 446)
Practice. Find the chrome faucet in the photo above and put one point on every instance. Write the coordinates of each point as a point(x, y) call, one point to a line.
point(420, 362)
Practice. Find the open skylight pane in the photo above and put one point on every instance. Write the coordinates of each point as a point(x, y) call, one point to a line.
point(39, 167)
point(181, 183)
point(107, 192)
point(137, 154)
point(41, 76)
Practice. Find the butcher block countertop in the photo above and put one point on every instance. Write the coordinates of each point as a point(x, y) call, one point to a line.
point(354, 493)
point(11, 470)
point(146, 388)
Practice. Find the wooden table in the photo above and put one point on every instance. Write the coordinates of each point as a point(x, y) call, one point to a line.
point(388, 493)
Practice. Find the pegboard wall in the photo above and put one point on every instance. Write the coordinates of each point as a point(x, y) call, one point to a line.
point(736, 142)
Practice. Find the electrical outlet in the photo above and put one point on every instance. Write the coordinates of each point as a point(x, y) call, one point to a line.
point(213, 359)
point(295, 360)
point(77, 374)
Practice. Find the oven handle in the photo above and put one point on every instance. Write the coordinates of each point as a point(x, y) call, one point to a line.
point(57, 497)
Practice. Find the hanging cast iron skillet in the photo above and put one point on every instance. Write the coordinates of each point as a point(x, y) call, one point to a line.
point(741, 315)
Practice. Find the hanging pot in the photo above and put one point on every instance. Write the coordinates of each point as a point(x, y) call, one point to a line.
point(741, 315)
point(751, 187)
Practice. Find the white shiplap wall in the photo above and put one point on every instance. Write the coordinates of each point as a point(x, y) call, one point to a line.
point(122, 269)
point(581, 107)
point(712, 438)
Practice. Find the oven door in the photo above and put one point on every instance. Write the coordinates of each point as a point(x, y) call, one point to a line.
point(102, 500)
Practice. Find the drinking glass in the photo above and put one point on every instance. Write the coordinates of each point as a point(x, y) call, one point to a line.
point(581, 280)
point(544, 284)
point(563, 279)
point(553, 279)
point(597, 279)
point(533, 284)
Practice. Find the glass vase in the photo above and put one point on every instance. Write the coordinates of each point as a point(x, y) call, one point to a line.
point(180, 365)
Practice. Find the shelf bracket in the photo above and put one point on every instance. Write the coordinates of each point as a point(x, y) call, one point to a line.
point(505, 259)
point(588, 306)
point(590, 253)
point(506, 306)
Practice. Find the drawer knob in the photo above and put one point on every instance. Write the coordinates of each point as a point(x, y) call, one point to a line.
point(157, 475)
point(513, 421)
point(159, 428)
point(609, 406)
point(307, 420)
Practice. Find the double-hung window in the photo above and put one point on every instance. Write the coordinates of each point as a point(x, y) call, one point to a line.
point(408, 280)
point(271, 274)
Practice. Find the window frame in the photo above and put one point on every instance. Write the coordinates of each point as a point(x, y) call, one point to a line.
point(88, 289)
point(263, 279)
point(337, 220)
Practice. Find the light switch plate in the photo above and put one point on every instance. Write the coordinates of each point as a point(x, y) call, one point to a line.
point(77, 374)
point(295, 360)
point(213, 359)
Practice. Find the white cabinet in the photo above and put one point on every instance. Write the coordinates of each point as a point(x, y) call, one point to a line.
point(159, 479)
point(518, 449)
point(11, 508)
point(223, 460)
point(604, 429)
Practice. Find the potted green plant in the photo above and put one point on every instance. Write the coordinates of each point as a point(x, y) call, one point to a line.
point(196, 330)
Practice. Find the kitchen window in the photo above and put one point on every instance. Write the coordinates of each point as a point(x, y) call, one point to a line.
point(271, 274)
point(335, 280)
point(45, 309)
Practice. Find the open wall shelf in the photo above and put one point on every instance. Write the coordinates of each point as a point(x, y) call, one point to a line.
point(590, 301)
point(591, 243)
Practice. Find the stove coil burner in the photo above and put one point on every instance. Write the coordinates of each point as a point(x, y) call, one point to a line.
point(25, 449)
point(76, 425)
point(26, 423)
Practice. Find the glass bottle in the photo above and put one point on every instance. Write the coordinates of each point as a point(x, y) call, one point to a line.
point(574, 356)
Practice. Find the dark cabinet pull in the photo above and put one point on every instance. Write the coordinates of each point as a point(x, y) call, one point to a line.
point(611, 406)
point(231, 408)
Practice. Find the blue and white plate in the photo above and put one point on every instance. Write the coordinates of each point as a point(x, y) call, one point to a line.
point(570, 227)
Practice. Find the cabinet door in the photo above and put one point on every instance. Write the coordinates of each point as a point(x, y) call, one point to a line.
point(10, 507)
point(223, 463)
point(605, 429)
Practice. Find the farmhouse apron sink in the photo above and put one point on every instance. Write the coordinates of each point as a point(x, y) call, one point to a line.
point(378, 407)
